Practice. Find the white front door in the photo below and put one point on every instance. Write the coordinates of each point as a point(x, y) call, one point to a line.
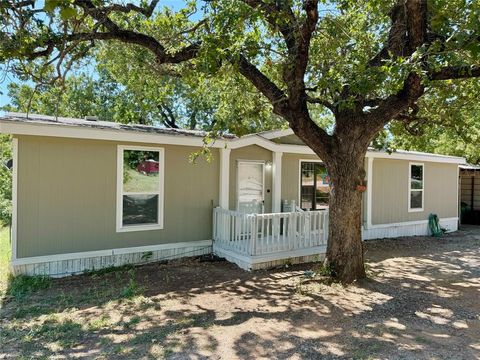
point(250, 186)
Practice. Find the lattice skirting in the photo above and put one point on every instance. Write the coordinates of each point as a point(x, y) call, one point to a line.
point(60, 268)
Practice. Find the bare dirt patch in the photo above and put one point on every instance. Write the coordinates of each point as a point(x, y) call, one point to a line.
point(422, 300)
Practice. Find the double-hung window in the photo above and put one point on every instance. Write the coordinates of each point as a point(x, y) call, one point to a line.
point(416, 187)
point(140, 176)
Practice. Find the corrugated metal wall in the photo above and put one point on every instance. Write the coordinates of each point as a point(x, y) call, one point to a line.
point(470, 188)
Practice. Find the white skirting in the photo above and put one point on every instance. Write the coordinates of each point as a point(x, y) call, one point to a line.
point(77, 263)
point(266, 261)
point(411, 228)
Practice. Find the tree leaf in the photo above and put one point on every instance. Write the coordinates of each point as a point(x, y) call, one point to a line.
point(68, 13)
point(50, 5)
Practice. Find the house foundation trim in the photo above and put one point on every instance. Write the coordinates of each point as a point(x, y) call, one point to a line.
point(119, 251)
point(408, 228)
point(76, 263)
point(268, 260)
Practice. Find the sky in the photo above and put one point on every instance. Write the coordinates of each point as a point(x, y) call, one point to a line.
point(4, 99)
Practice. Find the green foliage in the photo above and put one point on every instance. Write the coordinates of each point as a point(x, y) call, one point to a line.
point(449, 123)
point(22, 285)
point(325, 269)
point(5, 254)
point(5, 181)
point(132, 289)
point(208, 92)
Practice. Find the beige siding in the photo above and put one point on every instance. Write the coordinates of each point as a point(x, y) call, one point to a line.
point(390, 191)
point(363, 215)
point(67, 197)
point(291, 175)
point(252, 152)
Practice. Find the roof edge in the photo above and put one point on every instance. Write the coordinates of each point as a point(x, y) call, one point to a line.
point(53, 129)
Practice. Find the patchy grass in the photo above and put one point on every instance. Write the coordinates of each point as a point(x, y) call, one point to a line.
point(21, 285)
point(5, 254)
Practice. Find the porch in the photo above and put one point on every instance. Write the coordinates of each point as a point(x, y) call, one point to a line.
point(256, 241)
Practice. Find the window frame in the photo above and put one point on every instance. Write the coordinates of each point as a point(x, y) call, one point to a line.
point(409, 194)
point(120, 193)
point(300, 180)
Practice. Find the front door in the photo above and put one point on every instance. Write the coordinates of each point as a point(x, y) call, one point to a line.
point(250, 186)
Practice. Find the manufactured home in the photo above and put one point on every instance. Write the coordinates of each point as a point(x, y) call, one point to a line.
point(91, 194)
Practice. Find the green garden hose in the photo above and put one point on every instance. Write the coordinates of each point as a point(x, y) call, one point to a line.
point(434, 225)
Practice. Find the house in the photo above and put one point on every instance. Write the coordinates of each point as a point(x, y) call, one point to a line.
point(82, 200)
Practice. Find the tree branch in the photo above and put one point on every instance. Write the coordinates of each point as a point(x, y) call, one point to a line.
point(263, 84)
point(323, 102)
point(129, 7)
point(408, 30)
point(280, 16)
point(452, 72)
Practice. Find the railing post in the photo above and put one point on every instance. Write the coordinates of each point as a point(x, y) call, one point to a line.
point(291, 230)
point(253, 237)
point(214, 227)
point(325, 226)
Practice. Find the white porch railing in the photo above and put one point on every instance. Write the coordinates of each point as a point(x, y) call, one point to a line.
point(260, 234)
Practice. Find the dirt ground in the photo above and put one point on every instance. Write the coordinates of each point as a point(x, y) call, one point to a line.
point(421, 301)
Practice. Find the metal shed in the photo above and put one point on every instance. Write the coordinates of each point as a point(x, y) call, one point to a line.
point(470, 194)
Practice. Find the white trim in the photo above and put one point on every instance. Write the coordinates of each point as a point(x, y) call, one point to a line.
point(260, 162)
point(274, 134)
point(300, 177)
point(76, 132)
point(277, 182)
point(408, 223)
point(72, 131)
point(109, 252)
point(458, 194)
point(415, 156)
point(410, 209)
point(224, 189)
point(410, 228)
point(159, 192)
point(321, 249)
point(14, 198)
point(368, 210)
point(247, 262)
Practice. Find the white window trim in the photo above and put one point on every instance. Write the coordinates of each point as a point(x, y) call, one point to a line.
point(120, 193)
point(410, 209)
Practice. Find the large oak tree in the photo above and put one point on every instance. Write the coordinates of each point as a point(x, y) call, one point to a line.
point(366, 62)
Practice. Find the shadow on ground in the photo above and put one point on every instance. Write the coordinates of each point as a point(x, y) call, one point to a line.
point(421, 301)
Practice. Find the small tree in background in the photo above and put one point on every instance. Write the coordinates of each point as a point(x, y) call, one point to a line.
point(5, 181)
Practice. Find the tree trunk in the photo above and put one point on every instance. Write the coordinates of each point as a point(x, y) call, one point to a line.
point(345, 248)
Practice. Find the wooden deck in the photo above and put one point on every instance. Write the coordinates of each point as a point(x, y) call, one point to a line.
point(255, 241)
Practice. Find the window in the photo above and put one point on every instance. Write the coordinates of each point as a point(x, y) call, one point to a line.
point(415, 187)
point(140, 173)
point(314, 186)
